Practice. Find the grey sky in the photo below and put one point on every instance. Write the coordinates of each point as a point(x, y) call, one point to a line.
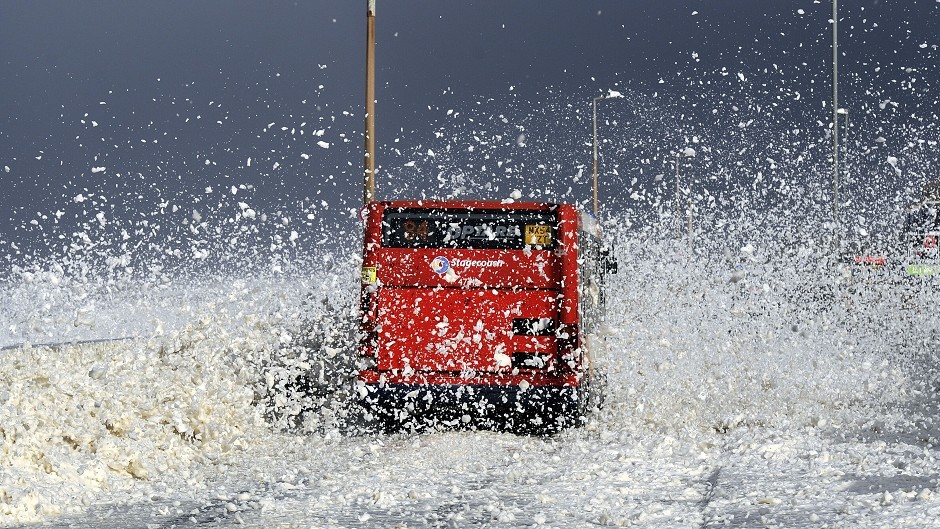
point(162, 87)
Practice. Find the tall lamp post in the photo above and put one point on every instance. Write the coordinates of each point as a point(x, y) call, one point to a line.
point(368, 192)
point(688, 152)
point(844, 160)
point(835, 126)
point(611, 94)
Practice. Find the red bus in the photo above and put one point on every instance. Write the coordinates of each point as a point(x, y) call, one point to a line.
point(481, 312)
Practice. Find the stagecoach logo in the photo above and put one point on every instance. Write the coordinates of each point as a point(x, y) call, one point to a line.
point(479, 263)
point(440, 265)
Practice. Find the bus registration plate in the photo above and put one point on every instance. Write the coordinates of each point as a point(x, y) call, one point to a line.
point(538, 235)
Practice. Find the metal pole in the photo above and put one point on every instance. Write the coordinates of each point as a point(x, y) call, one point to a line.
point(845, 143)
point(610, 95)
point(835, 123)
point(594, 104)
point(678, 209)
point(368, 194)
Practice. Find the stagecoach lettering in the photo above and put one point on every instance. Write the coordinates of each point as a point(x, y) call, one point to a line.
point(491, 263)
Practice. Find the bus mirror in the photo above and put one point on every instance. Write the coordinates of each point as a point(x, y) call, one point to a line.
point(612, 265)
point(610, 262)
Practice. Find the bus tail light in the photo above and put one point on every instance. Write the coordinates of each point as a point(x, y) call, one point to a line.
point(365, 304)
point(365, 363)
point(369, 336)
point(533, 326)
point(569, 352)
point(370, 340)
point(525, 360)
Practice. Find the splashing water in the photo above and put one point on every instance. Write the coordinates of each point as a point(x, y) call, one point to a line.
point(729, 311)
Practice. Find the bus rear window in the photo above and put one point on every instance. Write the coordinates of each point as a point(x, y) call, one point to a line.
point(484, 229)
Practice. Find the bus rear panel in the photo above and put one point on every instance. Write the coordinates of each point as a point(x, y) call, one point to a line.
point(470, 312)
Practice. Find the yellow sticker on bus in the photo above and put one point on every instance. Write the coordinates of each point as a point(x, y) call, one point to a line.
point(369, 275)
point(538, 235)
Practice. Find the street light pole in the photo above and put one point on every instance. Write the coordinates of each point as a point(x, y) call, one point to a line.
point(594, 104)
point(835, 124)
point(844, 160)
point(368, 193)
point(688, 152)
point(676, 200)
point(611, 94)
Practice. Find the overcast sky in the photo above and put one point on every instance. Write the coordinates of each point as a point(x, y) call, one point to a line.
point(146, 99)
